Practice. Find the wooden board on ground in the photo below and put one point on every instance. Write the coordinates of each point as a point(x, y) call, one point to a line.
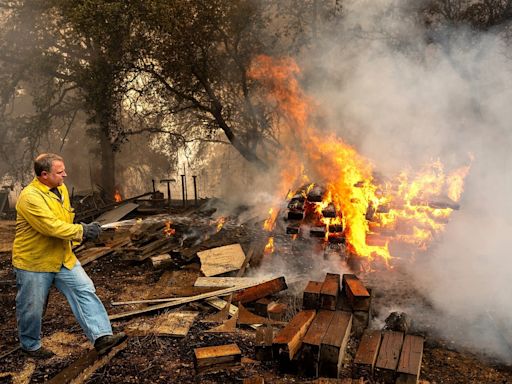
point(366, 354)
point(312, 341)
point(334, 343)
point(330, 291)
point(173, 324)
point(311, 296)
point(261, 290)
point(90, 254)
point(288, 341)
point(409, 364)
point(221, 259)
point(389, 353)
point(82, 369)
point(221, 356)
point(226, 281)
point(171, 302)
point(117, 213)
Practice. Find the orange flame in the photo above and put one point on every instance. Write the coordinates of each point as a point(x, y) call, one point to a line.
point(117, 196)
point(220, 223)
point(373, 214)
point(168, 231)
point(269, 224)
point(269, 248)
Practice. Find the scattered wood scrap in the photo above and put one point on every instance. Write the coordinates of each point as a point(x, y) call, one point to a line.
point(172, 324)
point(227, 281)
point(259, 291)
point(216, 357)
point(220, 260)
point(83, 368)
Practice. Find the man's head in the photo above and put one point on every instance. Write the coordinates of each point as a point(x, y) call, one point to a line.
point(50, 169)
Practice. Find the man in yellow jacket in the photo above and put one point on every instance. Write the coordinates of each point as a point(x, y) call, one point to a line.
point(42, 256)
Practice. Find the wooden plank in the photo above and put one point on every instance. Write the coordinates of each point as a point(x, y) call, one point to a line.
point(409, 365)
point(311, 296)
point(172, 302)
point(207, 358)
point(310, 356)
point(227, 281)
point(366, 355)
point(173, 324)
point(117, 213)
point(90, 254)
point(334, 343)
point(228, 326)
point(330, 291)
point(389, 353)
point(161, 260)
point(82, 369)
point(358, 295)
point(288, 341)
point(263, 343)
point(261, 290)
point(220, 260)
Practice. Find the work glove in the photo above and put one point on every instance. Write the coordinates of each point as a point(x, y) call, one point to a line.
point(91, 231)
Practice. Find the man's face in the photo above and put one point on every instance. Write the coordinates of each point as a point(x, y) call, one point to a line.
point(56, 176)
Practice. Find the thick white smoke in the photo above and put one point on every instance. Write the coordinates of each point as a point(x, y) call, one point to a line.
point(403, 96)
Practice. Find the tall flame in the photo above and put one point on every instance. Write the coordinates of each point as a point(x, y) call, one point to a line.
point(373, 213)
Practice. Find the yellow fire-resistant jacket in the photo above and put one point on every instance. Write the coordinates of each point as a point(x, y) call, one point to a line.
point(44, 230)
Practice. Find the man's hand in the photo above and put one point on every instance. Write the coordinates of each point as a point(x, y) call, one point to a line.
point(91, 231)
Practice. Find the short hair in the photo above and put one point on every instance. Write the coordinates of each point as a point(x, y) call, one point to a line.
point(44, 162)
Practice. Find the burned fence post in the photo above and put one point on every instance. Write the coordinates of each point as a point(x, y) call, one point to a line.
point(194, 177)
point(168, 181)
point(183, 189)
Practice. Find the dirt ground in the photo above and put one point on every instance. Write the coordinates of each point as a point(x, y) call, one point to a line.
point(152, 359)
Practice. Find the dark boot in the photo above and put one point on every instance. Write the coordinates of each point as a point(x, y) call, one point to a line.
point(41, 353)
point(106, 343)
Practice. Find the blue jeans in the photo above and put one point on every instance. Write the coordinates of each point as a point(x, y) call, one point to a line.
point(33, 288)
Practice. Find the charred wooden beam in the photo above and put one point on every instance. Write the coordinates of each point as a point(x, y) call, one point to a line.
point(310, 356)
point(293, 229)
point(311, 296)
point(316, 194)
point(261, 306)
point(254, 380)
point(288, 341)
point(335, 228)
point(409, 365)
point(387, 359)
point(261, 290)
point(366, 355)
point(330, 291)
point(334, 344)
point(296, 205)
point(329, 211)
point(295, 214)
point(221, 356)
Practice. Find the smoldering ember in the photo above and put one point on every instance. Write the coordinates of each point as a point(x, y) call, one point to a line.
point(255, 191)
